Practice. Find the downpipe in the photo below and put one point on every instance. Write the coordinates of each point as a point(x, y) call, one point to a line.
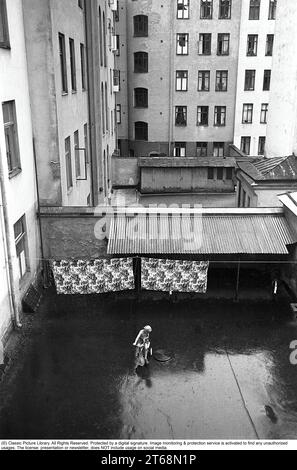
point(8, 252)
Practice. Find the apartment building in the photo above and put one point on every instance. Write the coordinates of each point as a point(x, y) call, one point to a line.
point(70, 62)
point(256, 53)
point(180, 59)
point(19, 232)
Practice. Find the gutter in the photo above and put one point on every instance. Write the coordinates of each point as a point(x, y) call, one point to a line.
point(9, 256)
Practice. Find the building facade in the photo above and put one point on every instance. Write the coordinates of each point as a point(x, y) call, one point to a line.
point(19, 230)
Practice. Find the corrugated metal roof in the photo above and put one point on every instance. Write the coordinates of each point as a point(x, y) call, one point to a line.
point(278, 168)
point(199, 234)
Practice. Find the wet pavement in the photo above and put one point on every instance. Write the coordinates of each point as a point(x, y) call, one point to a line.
point(71, 373)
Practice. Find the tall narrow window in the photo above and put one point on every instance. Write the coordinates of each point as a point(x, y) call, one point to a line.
point(181, 81)
point(182, 9)
point(221, 80)
point(179, 149)
point(141, 130)
point(252, 45)
point(269, 44)
point(249, 81)
point(4, 35)
point(182, 44)
point(272, 9)
point(180, 115)
point(11, 137)
point(140, 62)
point(119, 113)
point(68, 164)
point(140, 26)
point(83, 66)
point(220, 116)
point(72, 65)
point(202, 115)
point(264, 112)
point(218, 149)
point(100, 38)
point(245, 145)
point(247, 113)
point(62, 52)
point(223, 44)
point(104, 39)
point(201, 149)
point(20, 239)
point(254, 13)
point(86, 142)
point(106, 108)
point(261, 145)
point(204, 44)
point(77, 154)
point(225, 10)
point(102, 109)
point(220, 173)
point(203, 80)
point(206, 9)
point(210, 173)
point(141, 97)
point(266, 80)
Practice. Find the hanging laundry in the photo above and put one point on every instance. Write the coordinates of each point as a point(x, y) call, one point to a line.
point(93, 277)
point(174, 275)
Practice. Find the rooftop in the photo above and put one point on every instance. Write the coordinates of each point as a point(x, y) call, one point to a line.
point(185, 162)
point(270, 169)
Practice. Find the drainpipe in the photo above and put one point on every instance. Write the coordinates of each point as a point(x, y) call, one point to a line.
point(12, 289)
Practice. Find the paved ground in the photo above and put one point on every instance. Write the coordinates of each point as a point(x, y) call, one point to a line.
point(71, 375)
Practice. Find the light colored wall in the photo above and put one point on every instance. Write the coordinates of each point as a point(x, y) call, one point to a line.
point(262, 27)
point(21, 189)
point(282, 124)
point(125, 171)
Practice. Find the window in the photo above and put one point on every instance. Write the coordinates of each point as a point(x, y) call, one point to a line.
point(206, 9)
point(141, 130)
point(272, 10)
point(269, 44)
point(68, 164)
point(249, 81)
point(140, 62)
point(83, 66)
point(201, 149)
point(182, 9)
point(11, 137)
point(264, 112)
point(252, 45)
point(218, 149)
point(202, 115)
point(117, 79)
point(62, 52)
point(204, 44)
point(181, 81)
point(210, 173)
point(119, 113)
point(225, 10)
point(221, 80)
point(245, 145)
point(180, 115)
point(20, 239)
point(229, 173)
point(102, 109)
point(179, 149)
point(247, 113)
point(220, 116)
point(203, 80)
point(266, 80)
point(254, 10)
point(106, 109)
point(223, 44)
point(141, 97)
point(140, 26)
point(100, 38)
point(77, 154)
point(220, 173)
point(182, 44)
point(261, 145)
point(86, 142)
point(4, 35)
point(72, 64)
point(104, 40)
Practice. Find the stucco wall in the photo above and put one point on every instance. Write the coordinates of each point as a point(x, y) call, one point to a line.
point(125, 172)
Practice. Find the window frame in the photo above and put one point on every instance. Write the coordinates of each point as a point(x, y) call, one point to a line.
point(264, 113)
point(266, 79)
point(184, 3)
point(247, 110)
point(181, 80)
point(140, 26)
point(203, 78)
point(201, 149)
point(144, 130)
point(269, 45)
point(204, 5)
point(180, 50)
point(5, 43)
point(220, 74)
point(221, 44)
point(140, 62)
point(220, 113)
point(202, 116)
point(219, 148)
point(119, 114)
point(68, 164)
point(137, 95)
point(204, 39)
point(181, 109)
point(63, 63)
point(251, 79)
point(223, 7)
point(178, 146)
point(72, 65)
point(11, 138)
point(272, 9)
point(21, 239)
point(245, 140)
point(261, 145)
point(83, 67)
point(254, 51)
point(254, 10)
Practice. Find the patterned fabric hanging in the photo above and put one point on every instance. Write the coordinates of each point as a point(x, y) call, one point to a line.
point(93, 277)
point(174, 275)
